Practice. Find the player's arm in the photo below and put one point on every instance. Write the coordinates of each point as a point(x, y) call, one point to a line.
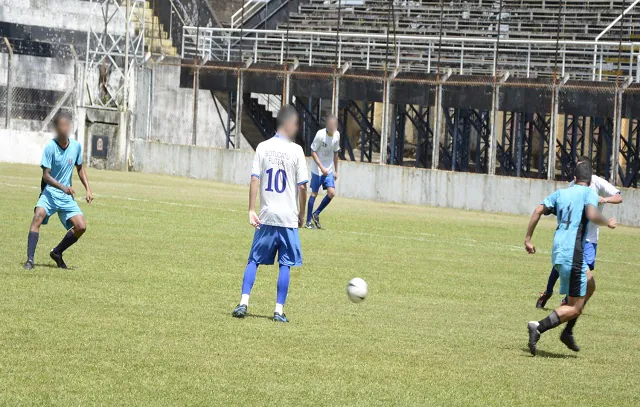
point(533, 223)
point(302, 203)
point(49, 180)
point(595, 216)
point(253, 192)
point(82, 174)
point(609, 194)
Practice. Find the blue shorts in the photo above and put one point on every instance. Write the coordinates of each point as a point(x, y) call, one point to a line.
point(324, 181)
point(590, 254)
point(269, 240)
point(573, 280)
point(65, 206)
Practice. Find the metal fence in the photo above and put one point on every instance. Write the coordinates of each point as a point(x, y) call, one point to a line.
point(29, 99)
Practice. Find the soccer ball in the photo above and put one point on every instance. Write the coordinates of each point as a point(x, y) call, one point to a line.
point(357, 290)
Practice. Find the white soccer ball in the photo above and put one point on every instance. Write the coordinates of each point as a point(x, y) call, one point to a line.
point(357, 290)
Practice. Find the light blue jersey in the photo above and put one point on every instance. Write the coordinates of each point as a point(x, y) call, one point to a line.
point(569, 205)
point(61, 163)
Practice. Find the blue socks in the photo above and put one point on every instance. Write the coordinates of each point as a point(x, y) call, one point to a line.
point(283, 284)
point(326, 201)
point(249, 277)
point(553, 277)
point(32, 242)
point(312, 201)
point(66, 242)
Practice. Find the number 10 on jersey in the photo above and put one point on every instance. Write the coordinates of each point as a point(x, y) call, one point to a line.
point(277, 181)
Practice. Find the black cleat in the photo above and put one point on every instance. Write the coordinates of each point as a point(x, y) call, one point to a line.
point(58, 259)
point(534, 336)
point(240, 311)
point(542, 300)
point(29, 265)
point(316, 220)
point(279, 317)
point(308, 225)
point(569, 341)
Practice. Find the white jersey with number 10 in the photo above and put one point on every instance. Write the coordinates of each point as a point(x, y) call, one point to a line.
point(281, 166)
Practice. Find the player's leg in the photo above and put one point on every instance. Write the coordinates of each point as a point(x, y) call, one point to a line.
point(573, 281)
point(551, 282)
point(315, 187)
point(263, 251)
point(73, 220)
point(289, 255)
point(567, 333)
point(39, 216)
point(330, 186)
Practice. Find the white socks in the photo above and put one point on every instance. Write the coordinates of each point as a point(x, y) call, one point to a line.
point(244, 300)
point(279, 309)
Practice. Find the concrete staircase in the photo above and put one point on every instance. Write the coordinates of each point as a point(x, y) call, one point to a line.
point(157, 39)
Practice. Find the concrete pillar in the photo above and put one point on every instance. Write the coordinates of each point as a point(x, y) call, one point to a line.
point(617, 132)
point(438, 133)
point(493, 136)
point(239, 102)
point(553, 134)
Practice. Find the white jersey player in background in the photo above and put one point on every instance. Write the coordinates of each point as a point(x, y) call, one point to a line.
point(324, 168)
point(608, 194)
point(280, 173)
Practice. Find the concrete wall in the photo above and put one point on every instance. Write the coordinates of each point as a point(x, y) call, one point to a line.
point(73, 15)
point(172, 112)
point(377, 182)
point(22, 147)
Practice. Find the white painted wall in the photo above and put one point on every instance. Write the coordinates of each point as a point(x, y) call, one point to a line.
point(22, 147)
point(377, 182)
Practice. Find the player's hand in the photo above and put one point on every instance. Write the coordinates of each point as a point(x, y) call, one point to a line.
point(324, 171)
point(89, 197)
point(254, 220)
point(611, 224)
point(335, 175)
point(529, 247)
point(68, 191)
point(602, 200)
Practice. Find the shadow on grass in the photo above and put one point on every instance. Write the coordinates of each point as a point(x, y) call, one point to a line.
point(551, 355)
point(259, 316)
point(47, 266)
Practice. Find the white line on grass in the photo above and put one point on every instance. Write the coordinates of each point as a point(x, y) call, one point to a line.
point(436, 238)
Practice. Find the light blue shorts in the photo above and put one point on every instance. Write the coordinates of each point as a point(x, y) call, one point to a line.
point(269, 240)
point(590, 250)
point(324, 181)
point(573, 279)
point(65, 206)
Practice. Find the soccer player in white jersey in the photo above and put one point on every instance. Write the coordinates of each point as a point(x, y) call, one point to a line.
point(280, 173)
point(324, 168)
point(608, 194)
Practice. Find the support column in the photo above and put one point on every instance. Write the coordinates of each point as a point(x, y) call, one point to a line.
point(437, 134)
point(493, 136)
point(239, 103)
point(617, 133)
point(335, 97)
point(384, 137)
point(553, 134)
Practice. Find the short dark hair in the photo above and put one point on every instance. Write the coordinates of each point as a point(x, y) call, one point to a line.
point(583, 159)
point(583, 172)
point(286, 113)
point(61, 115)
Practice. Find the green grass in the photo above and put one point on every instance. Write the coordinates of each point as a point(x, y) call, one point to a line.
point(143, 317)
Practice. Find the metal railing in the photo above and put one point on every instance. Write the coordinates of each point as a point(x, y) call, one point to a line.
point(586, 59)
point(251, 7)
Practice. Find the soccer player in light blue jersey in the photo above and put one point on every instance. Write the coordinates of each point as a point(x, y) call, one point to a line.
point(608, 194)
point(280, 174)
point(574, 207)
point(57, 196)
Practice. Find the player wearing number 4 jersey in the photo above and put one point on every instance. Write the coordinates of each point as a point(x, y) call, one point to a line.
point(608, 194)
point(574, 207)
point(280, 173)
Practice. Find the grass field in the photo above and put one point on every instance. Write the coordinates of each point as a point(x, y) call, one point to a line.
point(143, 317)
